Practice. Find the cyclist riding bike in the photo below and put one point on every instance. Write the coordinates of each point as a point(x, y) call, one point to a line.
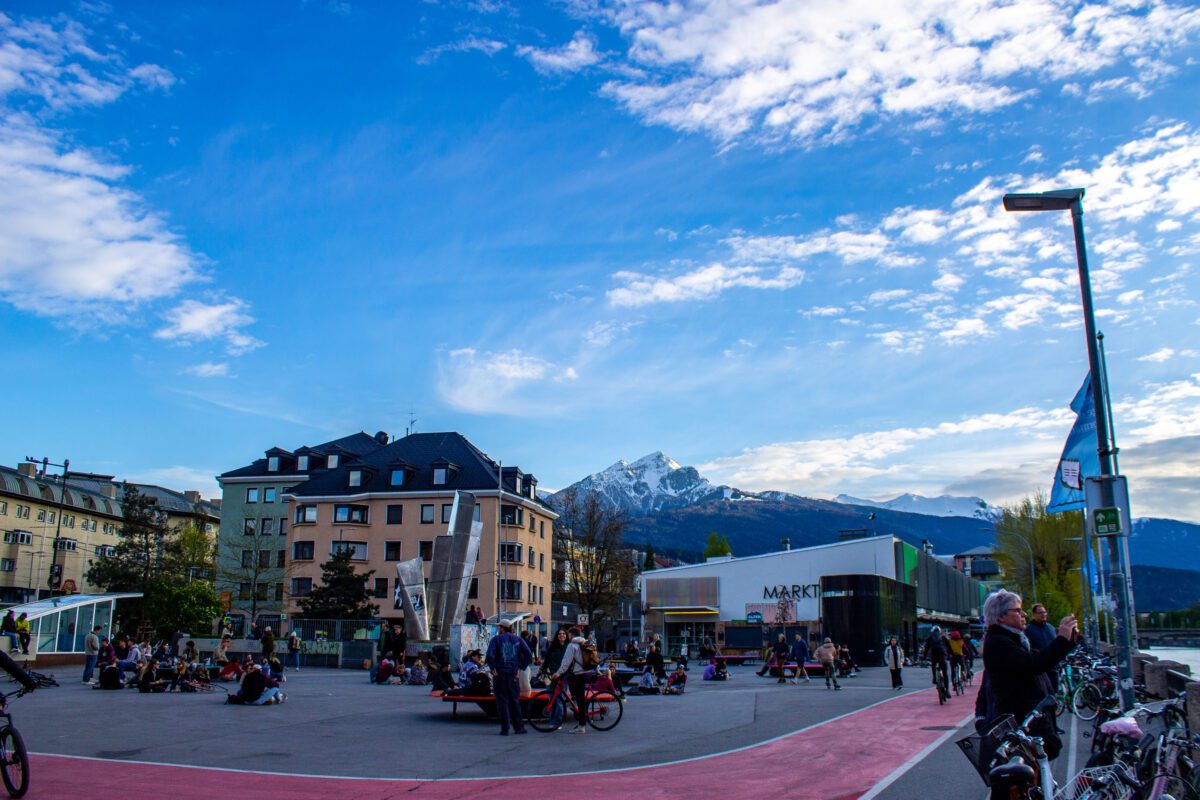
point(937, 649)
point(958, 654)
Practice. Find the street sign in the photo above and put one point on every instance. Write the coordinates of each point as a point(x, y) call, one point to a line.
point(1106, 521)
point(582, 619)
point(537, 618)
point(754, 617)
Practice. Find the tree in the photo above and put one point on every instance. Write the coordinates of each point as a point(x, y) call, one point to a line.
point(191, 554)
point(174, 605)
point(342, 593)
point(588, 549)
point(717, 546)
point(255, 563)
point(139, 558)
point(648, 562)
point(1053, 557)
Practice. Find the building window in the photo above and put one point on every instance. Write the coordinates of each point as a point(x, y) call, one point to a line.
point(381, 589)
point(356, 477)
point(531, 523)
point(50, 517)
point(510, 590)
point(282, 526)
point(69, 520)
point(531, 560)
point(473, 589)
point(542, 529)
point(446, 509)
point(250, 527)
point(512, 515)
point(302, 463)
point(7, 565)
point(18, 537)
point(397, 478)
point(3, 508)
point(306, 514)
point(425, 550)
point(264, 559)
point(280, 558)
point(427, 513)
point(252, 495)
point(510, 552)
point(23, 512)
point(303, 551)
point(541, 595)
point(395, 514)
point(41, 515)
point(106, 551)
point(273, 464)
point(357, 550)
point(541, 562)
point(439, 476)
point(244, 591)
point(67, 545)
point(391, 551)
point(478, 513)
point(333, 462)
point(301, 587)
point(268, 527)
point(247, 559)
point(269, 495)
point(278, 592)
point(356, 514)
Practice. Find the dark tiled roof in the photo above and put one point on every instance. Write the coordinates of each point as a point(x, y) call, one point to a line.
point(172, 501)
point(355, 445)
point(475, 470)
point(81, 495)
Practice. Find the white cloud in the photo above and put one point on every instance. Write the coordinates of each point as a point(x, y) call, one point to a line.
point(196, 321)
point(1158, 356)
point(501, 382)
point(824, 311)
point(965, 329)
point(602, 333)
point(853, 247)
point(809, 72)
point(471, 44)
point(209, 370)
point(703, 283)
point(575, 55)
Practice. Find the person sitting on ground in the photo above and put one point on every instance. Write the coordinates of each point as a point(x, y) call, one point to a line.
point(439, 674)
point(275, 670)
point(384, 672)
point(190, 653)
point(606, 681)
point(162, 653)
point(231, 671)
point(200, 674)
point(418, 674)
point(148, 680)
point(106, 655)
point(716, 670)
point(654, 660)
point(179, 676)
point(110, 676)
point(648, 683)
point(632, 654)
point(221, 654)
point(676, 681)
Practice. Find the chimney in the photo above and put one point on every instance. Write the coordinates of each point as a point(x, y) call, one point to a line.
point(27, 469)
point(785, 543)
point(192, 496)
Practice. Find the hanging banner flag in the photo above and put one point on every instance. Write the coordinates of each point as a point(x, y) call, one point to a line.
point(1079, 457)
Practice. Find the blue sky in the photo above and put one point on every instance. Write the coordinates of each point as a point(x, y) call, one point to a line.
point(764, 238)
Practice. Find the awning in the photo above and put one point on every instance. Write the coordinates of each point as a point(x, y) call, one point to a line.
point(683, 611)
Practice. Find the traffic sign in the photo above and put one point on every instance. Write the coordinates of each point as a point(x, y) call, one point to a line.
point(537, 618)
point(582, 619)
point(1106, 521)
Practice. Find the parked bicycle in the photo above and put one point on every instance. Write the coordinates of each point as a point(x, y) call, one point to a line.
point(14, 760)
point(546, 711)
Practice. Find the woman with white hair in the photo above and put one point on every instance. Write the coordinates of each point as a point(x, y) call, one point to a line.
point(1016, 672)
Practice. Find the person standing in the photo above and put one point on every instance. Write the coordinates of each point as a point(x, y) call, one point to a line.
point(800, 655)
point(294, 650)
point(1041, 634)
point(268, 643)
point(91, 650)
point(781, 655)
point(827, 655)
point(575, 672)
point(507, 655)
point(893, 657)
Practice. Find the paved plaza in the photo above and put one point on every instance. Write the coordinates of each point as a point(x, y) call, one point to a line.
point(752, 734)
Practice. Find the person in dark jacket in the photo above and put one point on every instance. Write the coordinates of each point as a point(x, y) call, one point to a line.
point(654, 660)
point(1015, 670)
point(1040, 634)
point(799, 654)
point(781, 651)
point(553, 655)
point(507, 655)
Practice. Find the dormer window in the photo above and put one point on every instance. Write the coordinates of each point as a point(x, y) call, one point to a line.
point(333, 461)
point(439, 476)
point(397, 478)
point(273, 464)
point(356, 477)
point(302, 463)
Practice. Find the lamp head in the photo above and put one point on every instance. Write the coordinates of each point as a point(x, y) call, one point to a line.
point(1058, 200)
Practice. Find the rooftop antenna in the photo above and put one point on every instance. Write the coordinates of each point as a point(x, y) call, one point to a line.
point(412, 422)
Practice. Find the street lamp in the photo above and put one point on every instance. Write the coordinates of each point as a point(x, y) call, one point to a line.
point(1072, 199)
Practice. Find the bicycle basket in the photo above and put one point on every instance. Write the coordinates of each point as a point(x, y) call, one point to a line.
point(979, 747)
point(1097, 782)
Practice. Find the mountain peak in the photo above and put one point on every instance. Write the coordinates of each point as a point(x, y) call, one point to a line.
point(941, 506)
point(652, 482)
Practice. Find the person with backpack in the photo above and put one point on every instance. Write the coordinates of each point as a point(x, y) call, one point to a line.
point(507, 655)
point(293, 646)
point(575, 668)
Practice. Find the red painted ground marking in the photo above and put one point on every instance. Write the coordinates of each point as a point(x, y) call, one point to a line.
point(849, 756)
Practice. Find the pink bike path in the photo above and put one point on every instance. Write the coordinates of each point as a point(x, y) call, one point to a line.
point(850, 754)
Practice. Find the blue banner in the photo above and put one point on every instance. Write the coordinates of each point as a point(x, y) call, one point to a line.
point(1079, 457)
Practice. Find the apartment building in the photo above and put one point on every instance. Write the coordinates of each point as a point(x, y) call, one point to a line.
point(390, 504)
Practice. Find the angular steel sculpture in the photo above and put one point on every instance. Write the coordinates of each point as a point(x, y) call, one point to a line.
point(453, 564)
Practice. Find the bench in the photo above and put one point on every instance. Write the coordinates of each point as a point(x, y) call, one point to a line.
point(487, 703)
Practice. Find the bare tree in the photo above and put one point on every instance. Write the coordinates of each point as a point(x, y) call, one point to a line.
point(594, 565)
point(250, 567)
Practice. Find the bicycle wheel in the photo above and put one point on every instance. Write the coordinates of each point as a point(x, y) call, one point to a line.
point(604, 711)
point(1087, 701)
point(539, 714)
point(1174, 788)
point(14, 762)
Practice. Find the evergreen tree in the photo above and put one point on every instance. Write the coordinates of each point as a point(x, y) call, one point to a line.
point(716, 545)
point(343, 591)
point(648, 561)
point(139, 558)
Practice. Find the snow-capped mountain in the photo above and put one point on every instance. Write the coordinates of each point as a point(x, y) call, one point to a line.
point(943, 506)
point(653, 483)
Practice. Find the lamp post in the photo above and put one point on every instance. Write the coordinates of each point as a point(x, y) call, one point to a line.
point(1072, 200)
point(55, 578)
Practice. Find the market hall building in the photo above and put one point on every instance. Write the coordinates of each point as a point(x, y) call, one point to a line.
point(857, 592)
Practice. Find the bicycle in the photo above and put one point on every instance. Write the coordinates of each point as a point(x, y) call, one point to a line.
point(956, 679)
point(14, 759)
point(942, 681)
point(604, 710)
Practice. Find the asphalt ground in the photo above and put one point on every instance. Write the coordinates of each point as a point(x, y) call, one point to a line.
point(336, 724)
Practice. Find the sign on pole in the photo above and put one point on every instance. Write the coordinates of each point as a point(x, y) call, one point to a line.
point(1106, 521)
point(582, 619)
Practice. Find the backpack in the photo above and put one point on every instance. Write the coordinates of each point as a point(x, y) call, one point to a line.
point(588, 655)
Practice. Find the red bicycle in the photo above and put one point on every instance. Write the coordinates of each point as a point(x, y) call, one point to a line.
point(547, 710)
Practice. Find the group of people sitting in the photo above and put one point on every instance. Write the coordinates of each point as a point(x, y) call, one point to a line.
point(427, 669)
point(152, 669)
point(17, 630)
point(673, 683)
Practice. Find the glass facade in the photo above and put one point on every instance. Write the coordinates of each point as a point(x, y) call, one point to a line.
point(62, 626)
point(861, 611)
